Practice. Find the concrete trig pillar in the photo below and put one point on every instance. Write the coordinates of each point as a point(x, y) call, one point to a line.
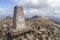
point(18, 17)
point(19, 20)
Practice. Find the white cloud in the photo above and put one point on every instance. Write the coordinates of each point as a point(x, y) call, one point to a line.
point(40, 7)
point(35, 2)
point(2, 10)
point(5, 12)
point(43, 12)
point(31, 3)
point(54, 3)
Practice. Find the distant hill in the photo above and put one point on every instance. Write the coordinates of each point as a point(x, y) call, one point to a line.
point(35, 19)
point(56, 20)
point(53, 19)
point(44, 17)
point(42, 20)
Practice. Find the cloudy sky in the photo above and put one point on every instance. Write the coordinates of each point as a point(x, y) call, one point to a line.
point(31, 7)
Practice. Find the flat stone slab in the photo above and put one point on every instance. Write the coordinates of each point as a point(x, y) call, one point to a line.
point(20, 31)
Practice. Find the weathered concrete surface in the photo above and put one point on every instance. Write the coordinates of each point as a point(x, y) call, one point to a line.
point(18, 17)
point(19, 25)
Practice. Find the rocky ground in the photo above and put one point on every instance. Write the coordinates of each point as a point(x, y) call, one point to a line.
point(38, 31)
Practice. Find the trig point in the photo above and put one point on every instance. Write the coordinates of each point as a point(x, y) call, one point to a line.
point(18, 20)
point(18, 17)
